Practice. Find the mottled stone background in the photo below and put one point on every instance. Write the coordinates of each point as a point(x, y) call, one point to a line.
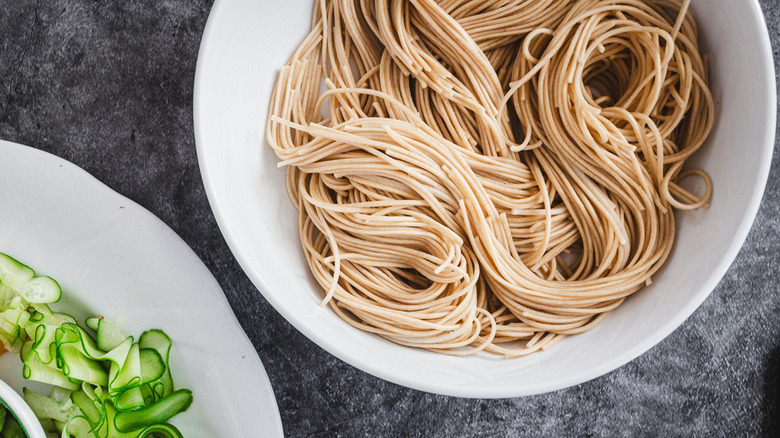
point(108, 86)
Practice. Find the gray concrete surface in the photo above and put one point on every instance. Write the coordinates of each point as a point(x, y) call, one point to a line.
point(108, 86)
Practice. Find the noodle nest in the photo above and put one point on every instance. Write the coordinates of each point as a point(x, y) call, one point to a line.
point(489, 174)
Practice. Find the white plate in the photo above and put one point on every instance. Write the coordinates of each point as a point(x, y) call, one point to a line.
point(245, 43)
point(113, 257)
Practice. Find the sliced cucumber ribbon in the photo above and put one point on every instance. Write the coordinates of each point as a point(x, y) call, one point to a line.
point(121, 392)
point(160, 412)
point(23, 280)
point(106, 385)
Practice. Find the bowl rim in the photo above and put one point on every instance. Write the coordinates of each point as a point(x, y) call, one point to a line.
point(24, 415)
point(533, 388)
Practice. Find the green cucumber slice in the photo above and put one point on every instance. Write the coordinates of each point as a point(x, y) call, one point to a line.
point(131, 399)
point(78, 356)
point(126, 375)
point(60, 395)
point(7, 296)
point(21, 278)
point(42, 338)
point(13, 321)
point(109, 335)
point(161, 431)
point(79, 427)
point(160, 412)
point(157, 339)
point(46, 408)
point(51, 318)
point(87, 406)
point(152, 365)
point(41, 290)
point(12, 271)
point(34, 369)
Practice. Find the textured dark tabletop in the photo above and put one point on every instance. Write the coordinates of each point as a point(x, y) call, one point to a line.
point(108, 85)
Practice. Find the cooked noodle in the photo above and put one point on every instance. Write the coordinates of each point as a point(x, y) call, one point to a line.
point(489, 175)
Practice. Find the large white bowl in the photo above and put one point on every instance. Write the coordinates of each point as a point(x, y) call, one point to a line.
point(245, 43)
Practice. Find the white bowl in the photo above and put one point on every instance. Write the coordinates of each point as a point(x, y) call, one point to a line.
point(244, 45)
point(16, 404)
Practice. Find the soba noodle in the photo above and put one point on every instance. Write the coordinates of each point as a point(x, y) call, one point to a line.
point(489, 174)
